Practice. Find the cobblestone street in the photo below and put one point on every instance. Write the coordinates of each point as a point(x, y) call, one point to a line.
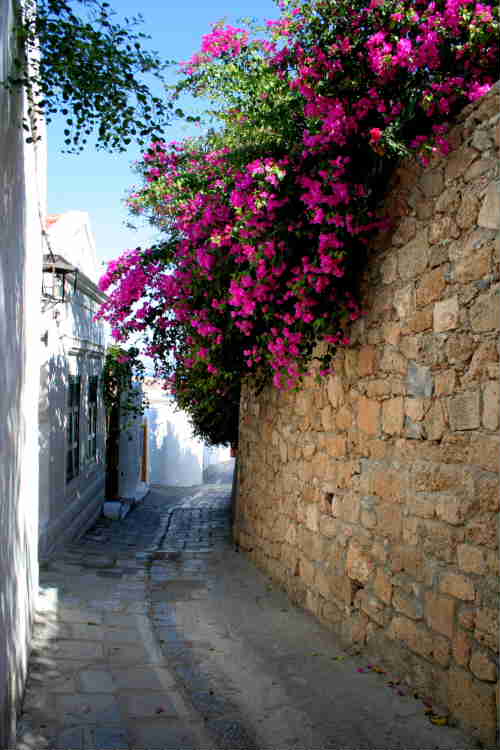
point(154, 632)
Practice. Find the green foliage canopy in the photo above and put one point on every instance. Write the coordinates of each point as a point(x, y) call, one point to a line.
point(76, 60)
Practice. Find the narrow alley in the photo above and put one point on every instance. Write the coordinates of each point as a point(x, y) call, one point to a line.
point(154, 632)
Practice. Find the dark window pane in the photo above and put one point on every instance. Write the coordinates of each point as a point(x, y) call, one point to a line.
point(69, 466)
point(93, 382)
point(73, 427)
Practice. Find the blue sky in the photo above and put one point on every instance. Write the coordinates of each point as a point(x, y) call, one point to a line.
point(97, 182)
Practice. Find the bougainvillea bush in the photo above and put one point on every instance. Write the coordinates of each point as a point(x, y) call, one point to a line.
point(266, 220)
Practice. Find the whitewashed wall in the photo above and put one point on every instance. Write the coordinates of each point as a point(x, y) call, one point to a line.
point(215, 454)
point(175, 456)
point(22, 204)
point(131, 453)
point(71, 236)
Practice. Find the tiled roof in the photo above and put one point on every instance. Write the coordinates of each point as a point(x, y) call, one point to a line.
point(51, 219)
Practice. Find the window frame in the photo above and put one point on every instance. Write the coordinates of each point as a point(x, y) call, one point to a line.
point(73, 406)
point(92, 418)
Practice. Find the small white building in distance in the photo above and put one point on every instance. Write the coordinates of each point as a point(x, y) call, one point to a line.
point(71, 411)
point(176, 457)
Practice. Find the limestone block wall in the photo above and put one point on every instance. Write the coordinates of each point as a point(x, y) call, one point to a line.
point(373, 497)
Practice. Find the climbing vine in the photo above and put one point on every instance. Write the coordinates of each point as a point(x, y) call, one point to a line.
point(123, 369)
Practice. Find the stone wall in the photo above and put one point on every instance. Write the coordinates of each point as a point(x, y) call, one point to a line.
point(22, 195)
point(373, 497)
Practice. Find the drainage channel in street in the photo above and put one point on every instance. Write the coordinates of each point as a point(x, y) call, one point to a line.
point(179, 573)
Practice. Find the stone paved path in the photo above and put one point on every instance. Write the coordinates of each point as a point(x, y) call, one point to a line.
point(153, 632)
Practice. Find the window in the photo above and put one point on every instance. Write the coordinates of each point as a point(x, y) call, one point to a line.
point(92, 418)
point(73, 428)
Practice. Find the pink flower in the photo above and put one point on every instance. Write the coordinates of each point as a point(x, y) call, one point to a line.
point(476, 90)
point(375, 135)
point(257, 250)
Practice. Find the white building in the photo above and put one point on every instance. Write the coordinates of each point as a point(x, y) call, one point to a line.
point(23, 201)
point(216, 455)
point(132, 480)
point(176, 457)
point(71, 411)
point(127, 470)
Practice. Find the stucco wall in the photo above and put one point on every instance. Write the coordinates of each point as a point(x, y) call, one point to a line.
point(131, 450)
point(73, 345)
point(373, 497)
point(175, 455)
point(22, 196)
